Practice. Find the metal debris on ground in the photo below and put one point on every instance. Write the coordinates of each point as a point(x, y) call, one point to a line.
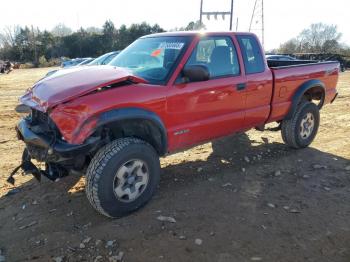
point(166, 219)
point(317, 166)
point(117, 258)
point(57, 259)
point(110, 243)
point(198, 241)
point(86, 240)
point(29, 225)
point(271, 205)
point(278, 173)
point(98, 258)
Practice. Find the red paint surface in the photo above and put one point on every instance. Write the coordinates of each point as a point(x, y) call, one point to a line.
point(288, 80)
point(204, 110)
point(68, 84)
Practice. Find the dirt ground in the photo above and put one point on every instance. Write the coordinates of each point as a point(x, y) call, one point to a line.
point(282, 205)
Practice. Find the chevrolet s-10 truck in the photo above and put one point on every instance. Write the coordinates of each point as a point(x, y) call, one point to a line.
point(164, 93)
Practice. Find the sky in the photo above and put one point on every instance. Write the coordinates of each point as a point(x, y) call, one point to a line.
point(283, 19)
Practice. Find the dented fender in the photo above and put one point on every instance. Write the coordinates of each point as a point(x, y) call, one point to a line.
point(75, 122)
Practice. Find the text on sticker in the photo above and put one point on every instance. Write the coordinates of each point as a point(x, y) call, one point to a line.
point(169, 45)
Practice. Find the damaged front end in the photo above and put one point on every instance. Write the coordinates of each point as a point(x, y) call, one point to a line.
point(45, 144)
point(58, 130)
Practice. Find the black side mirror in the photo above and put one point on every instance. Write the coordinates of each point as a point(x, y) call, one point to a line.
point(196, 73)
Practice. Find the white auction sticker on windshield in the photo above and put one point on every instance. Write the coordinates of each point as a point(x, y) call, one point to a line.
point(171, 45)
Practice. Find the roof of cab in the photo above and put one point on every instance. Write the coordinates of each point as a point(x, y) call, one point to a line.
point(195, 33)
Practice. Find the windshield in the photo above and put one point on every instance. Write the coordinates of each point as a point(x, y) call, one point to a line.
point(152, 58)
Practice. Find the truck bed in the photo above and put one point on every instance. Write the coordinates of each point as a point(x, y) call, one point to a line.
point(284, 63)
point(288, 76)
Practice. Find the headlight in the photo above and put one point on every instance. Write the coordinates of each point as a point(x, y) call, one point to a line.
point(23, 109)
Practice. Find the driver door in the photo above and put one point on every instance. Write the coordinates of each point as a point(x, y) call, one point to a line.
point(200, 111)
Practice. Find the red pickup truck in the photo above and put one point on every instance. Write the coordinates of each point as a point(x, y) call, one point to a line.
point(164, 93)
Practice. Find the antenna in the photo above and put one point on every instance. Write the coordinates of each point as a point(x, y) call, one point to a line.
point(216, 14)
point(257, 20)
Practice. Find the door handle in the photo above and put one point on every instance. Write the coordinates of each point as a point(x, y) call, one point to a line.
point(241, 86)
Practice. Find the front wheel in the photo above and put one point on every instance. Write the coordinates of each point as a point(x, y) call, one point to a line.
point(301, 129)
point(122, 177)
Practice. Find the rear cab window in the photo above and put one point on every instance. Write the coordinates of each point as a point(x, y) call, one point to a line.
point(252, 55)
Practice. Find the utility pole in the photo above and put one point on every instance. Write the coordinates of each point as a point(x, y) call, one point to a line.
point(263, 24)
point(231, 15)
point(216, 13)
point(200, 14)
point(258, 18)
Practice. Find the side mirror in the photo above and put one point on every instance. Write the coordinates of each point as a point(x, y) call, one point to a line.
point(196, 73)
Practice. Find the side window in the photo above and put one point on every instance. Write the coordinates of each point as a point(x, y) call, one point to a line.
point(252, 56)
point(218, 54)
point(108, 59)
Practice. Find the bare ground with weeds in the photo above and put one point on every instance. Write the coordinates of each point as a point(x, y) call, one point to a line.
point(246, 197)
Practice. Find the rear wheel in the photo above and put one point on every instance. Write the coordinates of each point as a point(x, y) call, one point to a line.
point(122, 177)
point(301, 129)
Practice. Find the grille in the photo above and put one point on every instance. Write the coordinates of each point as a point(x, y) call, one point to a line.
point(41, 123)
point(39, 117)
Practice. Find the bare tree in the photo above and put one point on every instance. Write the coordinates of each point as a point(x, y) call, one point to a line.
point(61, 30)
point(8, 35)
point(94, 30)
point(318, 38)
point(289, 47)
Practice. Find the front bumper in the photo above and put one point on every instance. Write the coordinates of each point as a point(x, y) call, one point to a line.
point(46, 148)
point(59, 156)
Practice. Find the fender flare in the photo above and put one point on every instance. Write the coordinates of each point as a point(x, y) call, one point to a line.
point(134, 113)
point(301, 91)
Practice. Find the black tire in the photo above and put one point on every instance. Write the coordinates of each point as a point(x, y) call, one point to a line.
point(101, 176)
point(291, 129)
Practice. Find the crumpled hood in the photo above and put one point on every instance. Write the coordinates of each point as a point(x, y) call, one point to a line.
point(67, 84)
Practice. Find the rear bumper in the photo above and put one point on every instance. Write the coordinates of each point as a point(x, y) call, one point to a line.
point(44, 148)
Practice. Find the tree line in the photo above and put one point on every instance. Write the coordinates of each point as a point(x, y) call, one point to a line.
point(30, 44)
